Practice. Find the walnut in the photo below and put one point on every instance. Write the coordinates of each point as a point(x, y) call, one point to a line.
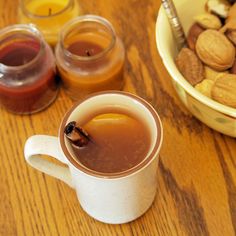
point(215, 50)
point(224, 89)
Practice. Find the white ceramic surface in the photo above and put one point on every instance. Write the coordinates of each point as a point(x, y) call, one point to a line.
point(217, 116)
point(111, 199)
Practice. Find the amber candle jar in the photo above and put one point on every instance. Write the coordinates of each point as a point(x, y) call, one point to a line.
point(48, 15)
point(27, 70)
point(90, 57)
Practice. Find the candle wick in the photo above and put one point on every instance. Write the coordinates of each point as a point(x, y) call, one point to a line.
point(88, 53)
point(49, 11)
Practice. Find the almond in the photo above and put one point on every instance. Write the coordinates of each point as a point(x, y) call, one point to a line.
point(190, 66)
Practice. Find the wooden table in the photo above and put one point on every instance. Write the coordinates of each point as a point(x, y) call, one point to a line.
point(197, 169)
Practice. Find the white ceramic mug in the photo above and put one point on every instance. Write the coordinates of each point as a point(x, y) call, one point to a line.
point(110, 198)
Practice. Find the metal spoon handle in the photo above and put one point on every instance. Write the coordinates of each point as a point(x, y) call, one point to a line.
point(175, 23)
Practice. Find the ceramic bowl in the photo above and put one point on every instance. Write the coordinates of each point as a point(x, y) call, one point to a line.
point(215, 115)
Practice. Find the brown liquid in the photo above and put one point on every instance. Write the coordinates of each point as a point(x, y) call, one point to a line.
point(119, 142)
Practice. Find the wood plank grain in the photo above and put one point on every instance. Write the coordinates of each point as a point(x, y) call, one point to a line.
point(197, 170)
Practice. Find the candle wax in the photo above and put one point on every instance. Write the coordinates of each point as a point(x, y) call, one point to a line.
point(46, 8)
point(85, 49)
point(19, 53)
point(86, 40)
point(86, 77)
point(24, 95)
point(52, 16)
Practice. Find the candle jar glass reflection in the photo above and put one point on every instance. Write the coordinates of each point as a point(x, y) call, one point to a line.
point(48, 16)
point(27, 70)
point(90, 57)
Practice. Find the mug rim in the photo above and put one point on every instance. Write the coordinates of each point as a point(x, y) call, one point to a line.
point(148, 159)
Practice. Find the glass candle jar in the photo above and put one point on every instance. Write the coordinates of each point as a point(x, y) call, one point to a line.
point(90, 57)
point(27, 70)
point(48, 15)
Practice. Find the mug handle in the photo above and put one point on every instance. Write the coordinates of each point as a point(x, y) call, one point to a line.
point(38, 145)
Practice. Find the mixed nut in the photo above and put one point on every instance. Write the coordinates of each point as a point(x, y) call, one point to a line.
point(209, 61)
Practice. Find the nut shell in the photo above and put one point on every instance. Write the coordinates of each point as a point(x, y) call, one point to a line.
point(231, 35)
point(212, 74)
point(218, 7)
point(205, 87)
point(190, 66)
point(208, 21)
point(233, 69)
point(230, 25)
point(193, 33)
point(224, 90)
point(231, 13)
point(215, 50)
